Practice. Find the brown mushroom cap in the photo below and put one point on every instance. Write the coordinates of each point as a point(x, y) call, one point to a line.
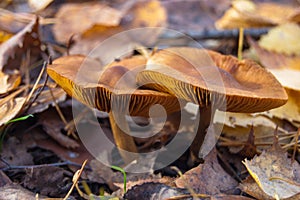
point(247, 86)
point(82, 79)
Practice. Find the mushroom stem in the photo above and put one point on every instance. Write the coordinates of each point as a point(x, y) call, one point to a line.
point(123, 140)
point(204, 117)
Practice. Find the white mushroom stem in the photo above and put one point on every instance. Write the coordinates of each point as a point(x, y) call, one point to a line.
point(124, 142)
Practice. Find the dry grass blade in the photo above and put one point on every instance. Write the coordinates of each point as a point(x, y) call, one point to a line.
point(75, 179)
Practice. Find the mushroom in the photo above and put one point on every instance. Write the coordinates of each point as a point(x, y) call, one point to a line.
point(111, 90)
point(212, 81)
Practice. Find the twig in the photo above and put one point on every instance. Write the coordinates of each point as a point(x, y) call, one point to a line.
point(295, 147)
point(58, 109)
point(12, 167)
point(241, 42)
point(75, 179)
point(38, 94)
point(215, 34)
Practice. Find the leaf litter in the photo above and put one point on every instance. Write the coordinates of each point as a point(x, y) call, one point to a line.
point(39, 150)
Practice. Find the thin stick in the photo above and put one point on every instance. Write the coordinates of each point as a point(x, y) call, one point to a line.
point(12, 167)
point(62, 117)
point(296, 144)
point(241, 41)
point(75, 179)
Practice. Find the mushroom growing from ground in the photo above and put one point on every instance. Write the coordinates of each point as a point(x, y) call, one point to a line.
point(111, 90)
point(212, 81)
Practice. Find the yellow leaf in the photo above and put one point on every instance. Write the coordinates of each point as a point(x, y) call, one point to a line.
point(282, 39)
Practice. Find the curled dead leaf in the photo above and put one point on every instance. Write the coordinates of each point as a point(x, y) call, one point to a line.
point(12, 51)
point(82, 17)
point(274, 173)
point(10, 109)
point(9, 82)
point(245, 13)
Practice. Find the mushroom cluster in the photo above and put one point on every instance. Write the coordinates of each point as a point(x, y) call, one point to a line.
point(168, 77)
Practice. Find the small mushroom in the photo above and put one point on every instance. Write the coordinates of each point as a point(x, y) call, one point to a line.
point(112, 90)
point(212, 81)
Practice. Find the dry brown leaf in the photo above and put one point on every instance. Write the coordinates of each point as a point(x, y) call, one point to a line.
point(38, 5)
point(4, 36)
point(54, 177)
point(82, 17)
point(45, 99)
point(208, 178)
point(273, 60)
point(9, 82)
point(13, 50)
point(238, 125)
point(250, 187)
point(245, 13)
point(149, 14)
point(152, 190)
point(16, 191)
point(53, 125)
point(291, 110)
point(275, 173)
point(10, 109)
point(139, 16)
point(282, 39)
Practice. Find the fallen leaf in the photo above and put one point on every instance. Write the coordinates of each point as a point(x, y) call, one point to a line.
point(274, 163)
point(250, 187)
point(208, 178)
point(282, 39)
point(45, 99)
point(245, 13)
point(12, 51)
point(53, 125)
point(14, 152)
point(274, 60)
point(4, 180)
point(4, 36)
point(291, 110)
point(137, 17)
point(9, 82)
point(157, 191)
point(36, 178)
point(237, 127)
point(14, 191)
point(38, 5)
point(11, 108)
point(81, 17)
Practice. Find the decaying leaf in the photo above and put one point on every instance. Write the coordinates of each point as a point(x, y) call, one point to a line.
point(13, 50)
point(53, 125)
point(282, 39)
point(45, 99)
point(238, 125)
point(18, 192)
point(10, 108)
point(245, 13)
point(156, 191)
point(139, 16)
point(81, 17)
point(274, 60)
point(208, 178)
point(53, 176)
point(250, 187)
point(275, 173)
point(38, 5)
point(9, 82)
point(291, 110)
